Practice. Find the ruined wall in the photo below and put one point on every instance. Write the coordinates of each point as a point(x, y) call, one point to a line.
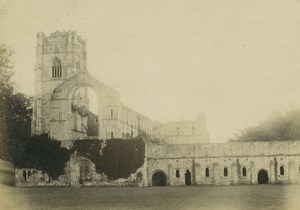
point(30, 177)
point(79, 171)
point(252, 157)
point(83, 173)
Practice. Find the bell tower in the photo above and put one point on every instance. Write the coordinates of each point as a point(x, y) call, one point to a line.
point(59, 56)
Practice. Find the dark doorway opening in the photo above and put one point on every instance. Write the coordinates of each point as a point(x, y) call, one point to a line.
point(244, 171)
point(84, 172)
point(188, 177)
point(263, 177)
point(159, 179)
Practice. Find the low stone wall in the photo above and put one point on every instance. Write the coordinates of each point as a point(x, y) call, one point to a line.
point(28, 177)
point(7, 173)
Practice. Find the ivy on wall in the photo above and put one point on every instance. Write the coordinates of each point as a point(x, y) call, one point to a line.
point(117, 158)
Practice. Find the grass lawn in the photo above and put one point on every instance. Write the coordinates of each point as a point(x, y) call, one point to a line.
point(194, 197)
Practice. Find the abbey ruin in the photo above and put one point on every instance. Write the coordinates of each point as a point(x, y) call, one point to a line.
point(61, 109)
point(61, 99)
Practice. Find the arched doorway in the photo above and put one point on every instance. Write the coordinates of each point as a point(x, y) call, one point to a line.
point(188, 177)
point(159, 179)
point(262, 177)
point(84, 172)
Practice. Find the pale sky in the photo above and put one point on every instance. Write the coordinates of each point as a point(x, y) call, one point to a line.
point(238, 61)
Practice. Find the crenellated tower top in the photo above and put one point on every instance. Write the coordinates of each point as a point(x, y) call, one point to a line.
point(59, 56)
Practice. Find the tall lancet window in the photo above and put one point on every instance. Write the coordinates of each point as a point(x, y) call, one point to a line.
point(56, 68)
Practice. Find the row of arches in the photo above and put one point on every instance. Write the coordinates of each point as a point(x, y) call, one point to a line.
point(159, 178)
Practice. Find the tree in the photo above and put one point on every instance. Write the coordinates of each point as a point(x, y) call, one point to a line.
point(44, 153)
point(278, 127)
point(6, 88)
point(15, 111)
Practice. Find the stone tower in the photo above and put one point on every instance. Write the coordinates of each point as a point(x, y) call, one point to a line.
point(59, 57)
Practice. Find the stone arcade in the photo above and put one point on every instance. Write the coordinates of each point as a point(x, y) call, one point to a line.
point(61, 109)
point(223, 163)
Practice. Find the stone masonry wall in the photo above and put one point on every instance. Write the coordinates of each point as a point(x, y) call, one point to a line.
point(252, 156)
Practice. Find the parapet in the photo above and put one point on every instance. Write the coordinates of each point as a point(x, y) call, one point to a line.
point(66, 39)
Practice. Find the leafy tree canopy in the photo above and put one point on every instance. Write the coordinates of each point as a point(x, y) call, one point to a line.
point(15, 110)
point(44, 153)
point(278, 127)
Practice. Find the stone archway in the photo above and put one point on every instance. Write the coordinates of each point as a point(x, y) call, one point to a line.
point(82, 170)
point(62, 123)
point(159, 179)
point(83, 120)
point(262, 177)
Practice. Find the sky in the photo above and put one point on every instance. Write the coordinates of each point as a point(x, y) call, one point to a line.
point(237, 61)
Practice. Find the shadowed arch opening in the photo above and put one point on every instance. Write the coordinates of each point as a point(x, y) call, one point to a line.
point(84, 171)
point(84, 108)
point(63, 96)
point(244, 171)
point(188, 180)
point(225, 172)
point(263, 177)
point(177, 173)
point(207, 172)
point(159, 179)
point(281, 170)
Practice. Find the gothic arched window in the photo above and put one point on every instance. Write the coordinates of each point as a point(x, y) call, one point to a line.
point(225, 172)
point(207, 172)
point(56, 68)
point(281, 170)
point(244, 171)
point(177, 173)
